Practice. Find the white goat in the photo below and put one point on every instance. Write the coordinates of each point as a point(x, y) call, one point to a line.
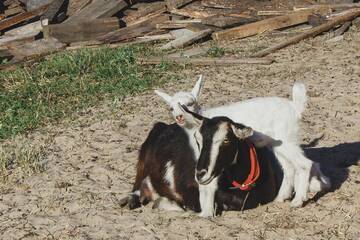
point(275, 117)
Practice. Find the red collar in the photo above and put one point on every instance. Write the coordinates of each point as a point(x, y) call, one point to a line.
point(254, 174)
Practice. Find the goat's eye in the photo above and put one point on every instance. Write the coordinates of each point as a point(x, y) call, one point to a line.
point(171, 109)
point(190, 104)
point(226, 141)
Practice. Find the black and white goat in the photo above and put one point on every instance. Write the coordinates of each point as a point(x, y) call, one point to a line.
point(275, 117)
point(166, 172)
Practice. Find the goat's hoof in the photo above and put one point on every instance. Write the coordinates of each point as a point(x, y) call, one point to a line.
point(206, 215)
point(281, 199)
point(134, 202)
point(296, 203)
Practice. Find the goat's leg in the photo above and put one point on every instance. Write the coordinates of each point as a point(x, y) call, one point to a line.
point(207, 198)
point(318, 182)
point(287, 184)
point(134, 200)
point(303, 167)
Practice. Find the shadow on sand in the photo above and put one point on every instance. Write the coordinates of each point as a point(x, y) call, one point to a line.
point(335, 161)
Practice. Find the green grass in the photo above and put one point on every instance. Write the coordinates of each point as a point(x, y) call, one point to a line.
point(65, 83)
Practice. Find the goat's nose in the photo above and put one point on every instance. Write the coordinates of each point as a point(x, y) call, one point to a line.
point(179, 117)
point(200, 174)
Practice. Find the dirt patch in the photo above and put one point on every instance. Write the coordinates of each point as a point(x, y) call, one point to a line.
point(91, 161)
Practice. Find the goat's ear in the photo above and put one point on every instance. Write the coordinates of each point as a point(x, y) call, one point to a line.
point(164, 96)
point(241, 131)
point(196, 118)
point(196, 89)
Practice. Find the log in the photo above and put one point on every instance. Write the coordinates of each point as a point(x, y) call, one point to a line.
point(350, 15)
point(187, 39)
point(133, 31)
point(98, 9)
point(9, 22)
point(262, 26)
point(225, 62)
point(82, 31)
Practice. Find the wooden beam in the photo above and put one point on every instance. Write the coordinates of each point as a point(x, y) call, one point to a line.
point(135, 30)
point(186, 39)
point(263, 26)
point(348, 16)
point(28, 28)
point(98, 9)
point(82, 31)
point(340, 6)
point(9, 22)
point(224, 62)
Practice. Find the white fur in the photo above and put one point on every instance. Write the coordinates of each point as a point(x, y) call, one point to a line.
point(273, 116)
point(165, 204)
point(207, 198)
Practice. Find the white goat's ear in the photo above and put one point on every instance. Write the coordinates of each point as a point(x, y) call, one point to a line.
point(191, 118)
point(242, 131)
point(164, 96)
point(196, 89)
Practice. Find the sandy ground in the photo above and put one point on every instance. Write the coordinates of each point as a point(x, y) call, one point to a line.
point(91, 160)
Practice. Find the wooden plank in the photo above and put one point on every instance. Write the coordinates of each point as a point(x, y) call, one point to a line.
point(98, 9)
point(348, 16)
point(82, 31)
point(191, 13)
point(135, 30)
point(166, 36)
point(13, 11)
point(329, 6)
point(272, 13)
point(6, 23)
point(187, 39)
point(17, 39)
point(223, 4)
point(35, 49)
point(224, 62)
point(28, 28)
point(176, 24)
point(172, 4)
point(262, 26)
point(145, 11)
point(226, 21)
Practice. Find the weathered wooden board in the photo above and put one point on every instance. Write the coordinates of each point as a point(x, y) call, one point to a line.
point(350, 15)
point(224, 62)
point(171, 4)
point(82, 31)
point(28, 28)
point(35, 49)
point(227, 21)
point(98, 9)
point(6, 23)
point(186, 39)
point(263, 26)
point(145, 11)
point(135, 30)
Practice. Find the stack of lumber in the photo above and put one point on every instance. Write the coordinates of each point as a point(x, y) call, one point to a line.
point(35, 28)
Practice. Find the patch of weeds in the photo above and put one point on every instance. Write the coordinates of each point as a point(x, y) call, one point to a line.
point(68, 82)
point(215, 51)
point(27, 157)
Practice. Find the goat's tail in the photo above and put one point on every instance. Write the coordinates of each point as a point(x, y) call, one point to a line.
point(299, 97)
